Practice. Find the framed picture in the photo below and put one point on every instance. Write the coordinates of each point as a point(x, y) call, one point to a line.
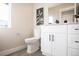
point(40, 16)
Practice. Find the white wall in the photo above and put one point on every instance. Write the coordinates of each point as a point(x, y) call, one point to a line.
point(45, 6)
point(22, 26)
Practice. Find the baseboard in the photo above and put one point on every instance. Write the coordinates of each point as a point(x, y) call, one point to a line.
point(9, 51)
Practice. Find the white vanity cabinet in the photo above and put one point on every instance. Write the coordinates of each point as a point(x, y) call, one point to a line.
point(54, 40)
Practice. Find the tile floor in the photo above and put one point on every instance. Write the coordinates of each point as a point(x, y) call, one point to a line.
point(23, 53)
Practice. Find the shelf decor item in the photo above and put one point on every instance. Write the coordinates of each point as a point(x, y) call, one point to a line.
point(65, 21)
point(57, 21)
point(40, 16)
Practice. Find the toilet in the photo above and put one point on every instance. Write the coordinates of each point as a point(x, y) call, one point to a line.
point(33, 43)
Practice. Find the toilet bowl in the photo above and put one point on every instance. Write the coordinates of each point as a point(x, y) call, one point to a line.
point(32, 45)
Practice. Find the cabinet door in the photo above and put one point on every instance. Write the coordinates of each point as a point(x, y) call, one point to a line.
point(60, 41)
point(54, 40)
point(45, 42)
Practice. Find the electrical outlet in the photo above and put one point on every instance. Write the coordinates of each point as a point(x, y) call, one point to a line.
point(18, 34)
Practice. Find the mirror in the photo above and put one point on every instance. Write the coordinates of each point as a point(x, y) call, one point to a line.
point(62, 13)
point(77, 13)
point(77, 8)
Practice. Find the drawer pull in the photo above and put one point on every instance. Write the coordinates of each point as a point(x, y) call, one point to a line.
point(76, 41)
point(76, 29)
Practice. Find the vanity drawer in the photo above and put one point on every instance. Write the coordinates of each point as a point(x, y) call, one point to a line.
point(73, 52)
point(73, 40)
point(74, 28)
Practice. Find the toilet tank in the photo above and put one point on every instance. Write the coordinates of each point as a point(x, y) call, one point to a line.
point(37, 32)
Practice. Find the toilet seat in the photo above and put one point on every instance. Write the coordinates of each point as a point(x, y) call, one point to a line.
point(31, 40)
